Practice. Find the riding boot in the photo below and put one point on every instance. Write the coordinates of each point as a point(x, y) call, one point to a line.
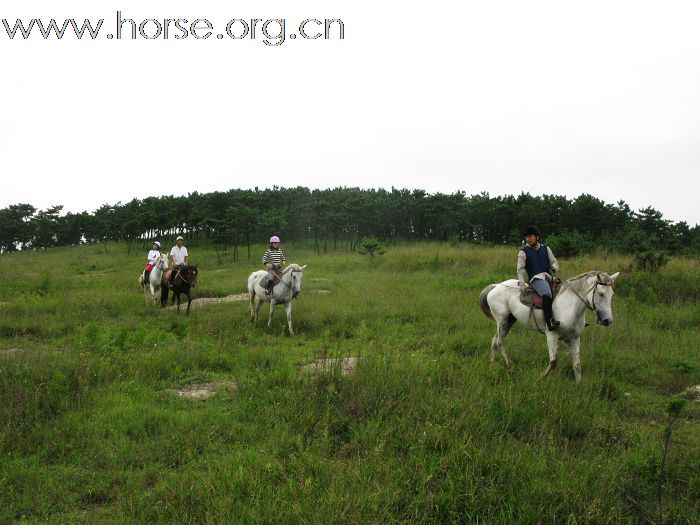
point(146, 275)
point(552, 323)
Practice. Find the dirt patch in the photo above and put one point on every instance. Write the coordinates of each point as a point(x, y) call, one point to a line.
point(319, 280)
point(347, 365)
point(320, 291)
point(204, 301)
point(11, 352)
point(204, 390)
point(692, 393)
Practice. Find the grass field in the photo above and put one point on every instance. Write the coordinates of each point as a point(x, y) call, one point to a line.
point(423, 431)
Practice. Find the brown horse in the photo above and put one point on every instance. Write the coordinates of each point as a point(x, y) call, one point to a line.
point(185, 279)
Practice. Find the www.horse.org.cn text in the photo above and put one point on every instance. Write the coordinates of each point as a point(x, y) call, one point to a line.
point(270, 31)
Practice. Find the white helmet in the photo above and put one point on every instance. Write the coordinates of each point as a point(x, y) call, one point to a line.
point(156, 243)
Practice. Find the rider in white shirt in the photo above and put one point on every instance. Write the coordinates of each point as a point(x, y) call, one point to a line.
point(178, 257)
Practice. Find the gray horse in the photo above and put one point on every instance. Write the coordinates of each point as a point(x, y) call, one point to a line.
point(151, 289)
point(284, 291)
point(590, 290)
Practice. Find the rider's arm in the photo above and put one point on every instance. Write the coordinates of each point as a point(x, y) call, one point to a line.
point(522, 272)
point(553, 264)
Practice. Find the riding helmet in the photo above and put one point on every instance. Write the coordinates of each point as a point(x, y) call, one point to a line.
point(532, 230)
point(274, 238)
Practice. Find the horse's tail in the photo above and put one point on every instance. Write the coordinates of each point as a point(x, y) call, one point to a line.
point(484, 303)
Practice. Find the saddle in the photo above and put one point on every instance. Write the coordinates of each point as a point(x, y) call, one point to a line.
point(533, 300)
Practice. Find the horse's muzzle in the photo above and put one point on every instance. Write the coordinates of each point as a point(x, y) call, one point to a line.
point(604, 322)
point(296, 294)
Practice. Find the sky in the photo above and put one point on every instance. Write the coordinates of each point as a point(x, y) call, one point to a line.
point(504, 97)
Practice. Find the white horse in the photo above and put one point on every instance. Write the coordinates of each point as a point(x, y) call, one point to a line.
point(590, 290)
point(154, 279)
point(287, 289)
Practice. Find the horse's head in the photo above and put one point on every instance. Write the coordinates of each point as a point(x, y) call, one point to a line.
point(161, 262)
point(192, 275)
point(296, 273)
point(601, 296)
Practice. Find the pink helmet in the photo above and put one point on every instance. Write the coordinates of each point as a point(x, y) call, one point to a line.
point(274, 238)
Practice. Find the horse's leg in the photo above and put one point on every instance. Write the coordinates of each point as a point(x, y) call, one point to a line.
point(494, 347)
point(288, 309)
point(178, 302)
point(272, 309)
point(553, 347)
point(253, 303)
point(163, 295)
point(257, 307)
point(189, 300)
point(503, 326)
point(576, 357)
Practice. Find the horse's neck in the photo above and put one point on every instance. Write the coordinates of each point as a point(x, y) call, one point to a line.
point(580, 289)
point(287, 278)
point(284, 287)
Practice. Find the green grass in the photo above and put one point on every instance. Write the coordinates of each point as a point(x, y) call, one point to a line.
point(423, 431)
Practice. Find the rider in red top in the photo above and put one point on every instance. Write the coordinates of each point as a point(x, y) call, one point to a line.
point(152, 256)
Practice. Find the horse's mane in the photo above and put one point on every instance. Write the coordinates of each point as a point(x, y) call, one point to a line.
point(293, 267)
point(604, 277)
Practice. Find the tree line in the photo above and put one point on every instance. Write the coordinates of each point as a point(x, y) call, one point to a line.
point(339, 218)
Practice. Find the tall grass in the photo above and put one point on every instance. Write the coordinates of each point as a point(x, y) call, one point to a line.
point(424, 430)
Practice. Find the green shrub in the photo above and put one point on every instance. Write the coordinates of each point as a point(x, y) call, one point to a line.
point(370, 246)
point(651, 260)
point(568, 244)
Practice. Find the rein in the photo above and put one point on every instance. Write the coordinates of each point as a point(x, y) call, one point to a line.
point(179, 274)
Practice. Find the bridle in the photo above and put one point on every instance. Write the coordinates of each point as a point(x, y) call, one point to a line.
point(590, 305)
point(290, 272)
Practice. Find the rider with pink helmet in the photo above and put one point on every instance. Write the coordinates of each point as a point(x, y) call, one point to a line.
point(274, 261)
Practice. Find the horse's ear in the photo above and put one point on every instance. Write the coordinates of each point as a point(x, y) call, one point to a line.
point(303, 267)
point(614, 276)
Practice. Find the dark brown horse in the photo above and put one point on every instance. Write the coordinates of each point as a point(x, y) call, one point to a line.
point(184, 280)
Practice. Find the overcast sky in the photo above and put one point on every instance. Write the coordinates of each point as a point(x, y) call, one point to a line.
point(598, 97)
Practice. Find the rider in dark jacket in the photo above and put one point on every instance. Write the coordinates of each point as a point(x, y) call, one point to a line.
point(536, 264)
